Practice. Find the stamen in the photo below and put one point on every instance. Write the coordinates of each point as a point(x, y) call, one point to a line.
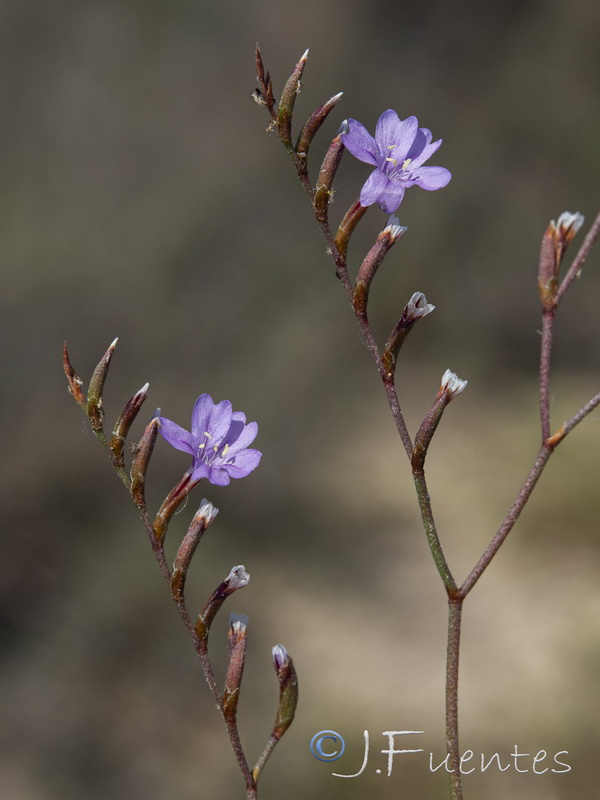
point(225, 449)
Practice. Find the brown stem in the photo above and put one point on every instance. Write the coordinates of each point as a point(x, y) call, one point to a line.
point(545, 353)
point(452, 669)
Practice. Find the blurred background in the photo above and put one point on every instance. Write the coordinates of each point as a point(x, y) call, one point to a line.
point(142, 198)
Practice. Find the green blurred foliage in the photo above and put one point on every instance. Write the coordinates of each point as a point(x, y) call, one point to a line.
point(142, 198)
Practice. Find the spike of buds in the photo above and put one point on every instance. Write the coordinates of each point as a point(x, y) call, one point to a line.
point(287, 100)
point(124, 423)
point(373, 260)
point(556, 239)
point(238, 629)
point(416, 308)
point(94, 396)
point(202, 519)
point(141, 459)
point(237, 579)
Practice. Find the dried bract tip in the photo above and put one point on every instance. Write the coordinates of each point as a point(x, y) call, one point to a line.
point(452, 384)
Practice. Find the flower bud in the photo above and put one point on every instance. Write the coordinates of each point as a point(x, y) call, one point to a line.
point(237, 579)
point(73, 380)
point(557, 238)
point(202, 519)
point(288, 98)
point(141, 459)
point(171, 503)
point(416, 308)
point(313, 123)
point(373, 260)
point(264, 94)
point(124, 423)
point(288, 690)
point(238, 628)
point(451, 386)
point(351, 219)
point(331, 162)
point(94, 408)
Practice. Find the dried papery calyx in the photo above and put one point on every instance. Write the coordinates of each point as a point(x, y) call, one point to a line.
point(556, 239)
point(416, 308)
point(141, 459)
point(125, 421)
point(202, 519)
point(238, 629)
point(313, 123)
point(288, 98)
point(372, 261)
point(237, 579)
point(94, 395)
point(323, 188)
point(347, 226)
point(288, 690)
point(451, 385)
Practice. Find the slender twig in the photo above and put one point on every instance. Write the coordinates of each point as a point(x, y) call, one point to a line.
point(545, 353)
point(452, 671)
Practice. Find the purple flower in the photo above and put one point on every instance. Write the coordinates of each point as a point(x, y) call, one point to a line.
point(397, 152)
point(218, 442)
